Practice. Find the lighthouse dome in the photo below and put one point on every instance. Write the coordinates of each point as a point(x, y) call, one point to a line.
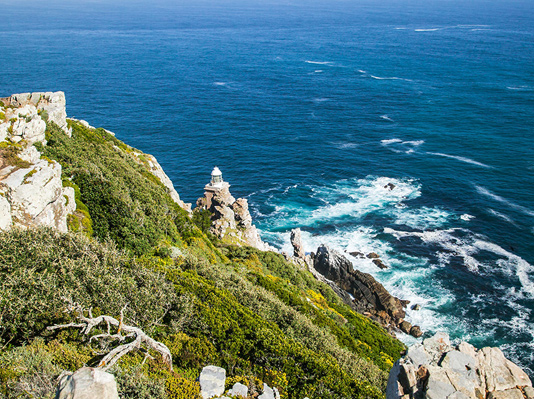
point(216, 172)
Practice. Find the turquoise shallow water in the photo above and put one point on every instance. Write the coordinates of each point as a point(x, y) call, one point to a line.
point(310, 109)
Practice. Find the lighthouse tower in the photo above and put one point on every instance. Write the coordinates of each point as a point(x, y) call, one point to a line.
point(215, 185)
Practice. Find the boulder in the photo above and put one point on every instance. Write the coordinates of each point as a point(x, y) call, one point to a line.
point(416, 307)
point(373, 255)
point(405, 327)
point(455, 372)
point(87, 383)
point(238, 390)
point(380, 263)
point(390, 186)
point(268, 393)
point(212, 380)
point(507, 394)
point(416, 332)
point(296, 242)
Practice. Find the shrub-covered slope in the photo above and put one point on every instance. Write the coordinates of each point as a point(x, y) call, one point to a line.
point(260, 317)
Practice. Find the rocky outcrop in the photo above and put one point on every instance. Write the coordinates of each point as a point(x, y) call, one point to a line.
point(436, 369)
point(231, 219)
point(212, 382)
point(87, 383)
point(31, 189)
point(368, 295)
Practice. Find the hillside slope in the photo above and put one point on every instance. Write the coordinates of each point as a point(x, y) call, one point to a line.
point(131, 246)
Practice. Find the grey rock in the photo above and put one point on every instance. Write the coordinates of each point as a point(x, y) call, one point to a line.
point(529, 392)
point(238, 390)
point(417, 355)
point(394, 389)
point(5, 213)
point(439, 386)
point(296, 242)
point(459, 362)
point(212, 380)
point(87, 383)
point(498, 372)
point(268, 393)
point(507, 394)
point(416, 307)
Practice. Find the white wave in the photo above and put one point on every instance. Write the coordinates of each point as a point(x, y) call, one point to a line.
point(344, 146)
point(362, 71)
point(520, 88)
point(421, 218)
point(400, 146)
point(427, 29)
point(502, 216)
point(462, 159)
point(466, 217)
point(321, 100)
point(318, 71)
point(389, 78)
point(319, 62)
point(390, 141)
point(521, 266)
point(487, 193)
point(455, 246)
point(387, 118)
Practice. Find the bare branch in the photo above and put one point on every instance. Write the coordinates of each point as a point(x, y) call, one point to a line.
point(138, 335)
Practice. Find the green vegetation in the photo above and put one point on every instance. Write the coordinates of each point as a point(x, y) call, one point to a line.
point(260, 317)
point(9, 155)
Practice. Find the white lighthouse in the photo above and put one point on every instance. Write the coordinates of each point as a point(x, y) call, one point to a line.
point(215, 185)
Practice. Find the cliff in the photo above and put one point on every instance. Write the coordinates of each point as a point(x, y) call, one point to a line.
point(120, 243)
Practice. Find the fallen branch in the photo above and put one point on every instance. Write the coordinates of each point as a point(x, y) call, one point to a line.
point(138, 336)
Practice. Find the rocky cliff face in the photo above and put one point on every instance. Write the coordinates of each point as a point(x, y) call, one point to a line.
point(357, 289)
point(436, 369)
point(231, 220)
point(31, 190)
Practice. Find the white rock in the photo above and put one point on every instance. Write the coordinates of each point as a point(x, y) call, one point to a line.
point(418, 355)
point(238, 390)
point(5, 213)
point(30, 154)
point(508, 394)
point(499, 373)
point(212, 380)
point(88, 383)
point(268, 392)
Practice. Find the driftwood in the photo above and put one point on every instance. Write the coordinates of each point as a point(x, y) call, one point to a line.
point(139, 337)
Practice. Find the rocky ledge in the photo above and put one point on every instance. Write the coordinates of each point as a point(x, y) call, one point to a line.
point(357, 289)
point(435, 369)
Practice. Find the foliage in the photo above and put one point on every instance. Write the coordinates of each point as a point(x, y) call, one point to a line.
point(9, 153)
point(126, 202)
point(39, 267)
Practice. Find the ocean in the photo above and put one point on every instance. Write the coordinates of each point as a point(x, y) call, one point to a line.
point(311, 109)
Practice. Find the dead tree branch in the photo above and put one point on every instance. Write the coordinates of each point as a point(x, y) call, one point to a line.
point(139, 337)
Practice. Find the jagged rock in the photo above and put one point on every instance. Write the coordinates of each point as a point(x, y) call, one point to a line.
point(416, 332)
point(357, 254)
point(507, 394)
point(390, 185)
point(373, 255)
point(238, 390)
point(405, 326)
point(296, 242)
point(87, 383)
point(416, 307)
point(369, 294)
point(379, 263)
point(459, 372)
point(231, 219)
point(498, 372)
point(212, 380)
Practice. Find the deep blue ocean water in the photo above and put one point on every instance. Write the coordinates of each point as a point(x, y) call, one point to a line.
point(310, 108)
